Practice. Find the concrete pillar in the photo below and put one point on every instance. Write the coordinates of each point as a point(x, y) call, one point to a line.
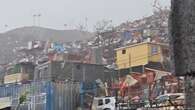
point(190, 93)
point(182, 38)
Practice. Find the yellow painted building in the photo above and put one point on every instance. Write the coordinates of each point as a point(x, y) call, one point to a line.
point(139, 54)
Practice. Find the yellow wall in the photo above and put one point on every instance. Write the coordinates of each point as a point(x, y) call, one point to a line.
point(13, 78)
point(135, 55)
point(139, 54)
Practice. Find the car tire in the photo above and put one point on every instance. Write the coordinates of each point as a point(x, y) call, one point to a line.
point(107, 109)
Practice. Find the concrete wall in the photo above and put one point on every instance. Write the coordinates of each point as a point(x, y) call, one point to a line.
point(71, 71)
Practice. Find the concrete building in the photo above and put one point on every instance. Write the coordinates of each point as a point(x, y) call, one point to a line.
point(72, 71)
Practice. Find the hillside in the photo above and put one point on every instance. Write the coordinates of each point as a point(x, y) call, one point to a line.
point(20, 36)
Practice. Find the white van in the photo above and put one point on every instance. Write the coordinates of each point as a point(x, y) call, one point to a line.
point(104, 103)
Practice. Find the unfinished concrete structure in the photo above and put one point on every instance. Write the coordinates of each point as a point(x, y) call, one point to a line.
point(72, 71)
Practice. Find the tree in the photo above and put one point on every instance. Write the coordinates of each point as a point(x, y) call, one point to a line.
point(157, 5)
point(103, 26)
point(102, 29)
point(22, 99)
point(158, 8)
point(81, 27)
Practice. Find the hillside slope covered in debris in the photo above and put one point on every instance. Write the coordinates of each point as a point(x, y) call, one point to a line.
point(21, 36)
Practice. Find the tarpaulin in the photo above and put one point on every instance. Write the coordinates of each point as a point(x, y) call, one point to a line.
point(58, 47)
point(159, 75)
point(125, 83)
point(130, 80)
point(150, 77)
point(135, 98)
point(127, 35)
point(141, 78)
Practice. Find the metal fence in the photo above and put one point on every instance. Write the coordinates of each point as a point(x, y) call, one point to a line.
point(43, 95)
point(66, 96)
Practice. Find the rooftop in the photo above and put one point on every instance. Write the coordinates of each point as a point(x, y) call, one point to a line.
point(133, 45)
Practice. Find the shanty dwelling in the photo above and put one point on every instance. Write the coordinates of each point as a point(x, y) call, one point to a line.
point(150, 54)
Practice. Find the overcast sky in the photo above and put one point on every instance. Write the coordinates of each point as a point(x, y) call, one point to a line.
point(56, 13)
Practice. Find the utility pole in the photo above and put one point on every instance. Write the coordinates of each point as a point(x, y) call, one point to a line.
point(86, 23)
point(84, 74)
point(39, 19)
point(38, 16)
point(72, 84)
point(130, 68)
point(182, 40)
point(34, 19)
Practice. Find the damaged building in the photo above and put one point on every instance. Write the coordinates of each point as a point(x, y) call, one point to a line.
point(71, 71)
